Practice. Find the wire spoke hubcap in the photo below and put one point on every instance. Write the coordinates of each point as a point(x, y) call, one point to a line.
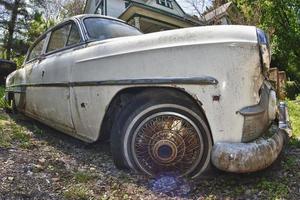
point(164, 151)
point(167, 142)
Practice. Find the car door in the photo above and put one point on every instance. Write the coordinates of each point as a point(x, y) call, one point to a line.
point(33, 78)
point(55, 70)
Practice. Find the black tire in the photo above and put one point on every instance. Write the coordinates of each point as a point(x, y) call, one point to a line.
point(152, 103)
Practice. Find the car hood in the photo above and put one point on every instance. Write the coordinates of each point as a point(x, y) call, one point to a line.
point(183, 37)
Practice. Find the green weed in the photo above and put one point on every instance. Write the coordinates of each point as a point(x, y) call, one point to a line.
point(289, 162)
point(83, 177)
point(3, 103)
point(274, 189)
point(5, 140)
point(294, 113)
point(19, 135)
point(78, 192)
point(37, 130)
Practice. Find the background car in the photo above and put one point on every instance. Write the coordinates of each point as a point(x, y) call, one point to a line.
point(6, 67)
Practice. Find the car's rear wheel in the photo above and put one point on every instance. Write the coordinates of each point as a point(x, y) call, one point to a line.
point(162, 134)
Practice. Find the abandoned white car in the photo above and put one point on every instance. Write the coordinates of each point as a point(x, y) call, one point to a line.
point(176, 101)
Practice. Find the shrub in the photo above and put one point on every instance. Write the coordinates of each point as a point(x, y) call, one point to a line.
point(292, 89)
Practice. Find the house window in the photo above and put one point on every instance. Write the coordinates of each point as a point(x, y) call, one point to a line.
point(166, 3)
point(100, 8)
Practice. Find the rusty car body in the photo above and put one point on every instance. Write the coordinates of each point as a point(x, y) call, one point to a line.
point(174, 101)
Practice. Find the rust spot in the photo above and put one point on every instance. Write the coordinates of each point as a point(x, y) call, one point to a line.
point(216, 97)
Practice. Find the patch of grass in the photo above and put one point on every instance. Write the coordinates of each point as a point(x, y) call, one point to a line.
point(290, 162)
point(37, 130)
point(11, 133)
point(3, 103)
point(19, 135)
point(274, 189)
point(294, 142)
point(3, 117)
point(294, 112)
point(238, 190)
point(5, 140)
point(83, 177)
point(78, 192)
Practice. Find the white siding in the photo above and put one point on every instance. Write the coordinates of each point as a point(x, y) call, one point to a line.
point(176, 10)
point(90, 7)
point(115, 7)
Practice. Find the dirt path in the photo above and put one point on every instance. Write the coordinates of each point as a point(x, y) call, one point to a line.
point(37, 162)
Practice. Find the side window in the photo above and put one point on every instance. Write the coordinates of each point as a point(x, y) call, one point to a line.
point(66, 35)
point(59, 38)
point(36, 50)
point(74, 36)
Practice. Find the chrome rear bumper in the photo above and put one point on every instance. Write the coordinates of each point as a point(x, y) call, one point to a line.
point(255, 155)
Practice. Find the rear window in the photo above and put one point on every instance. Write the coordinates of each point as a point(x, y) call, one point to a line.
point(66, 35)
point(59, 38)
point(101, 29)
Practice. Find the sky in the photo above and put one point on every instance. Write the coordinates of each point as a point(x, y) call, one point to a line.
point(187, 7)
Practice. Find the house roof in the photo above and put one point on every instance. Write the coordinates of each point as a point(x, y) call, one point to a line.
point(221, 10)
point(187, 18)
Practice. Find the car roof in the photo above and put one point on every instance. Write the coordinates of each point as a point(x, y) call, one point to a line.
point(74, 18)
point(94, 15)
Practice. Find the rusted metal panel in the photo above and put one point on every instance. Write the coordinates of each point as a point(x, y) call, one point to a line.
point(248, 157)
point(256, 155)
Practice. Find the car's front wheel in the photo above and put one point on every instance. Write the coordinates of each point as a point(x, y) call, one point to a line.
point(161, 134)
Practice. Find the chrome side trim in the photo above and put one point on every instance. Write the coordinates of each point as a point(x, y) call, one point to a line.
point(205, 80)
point(191, 81)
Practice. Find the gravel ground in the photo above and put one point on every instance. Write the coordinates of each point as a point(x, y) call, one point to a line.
point(37, 162)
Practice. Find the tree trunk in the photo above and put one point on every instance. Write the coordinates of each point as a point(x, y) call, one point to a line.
point(11, 28)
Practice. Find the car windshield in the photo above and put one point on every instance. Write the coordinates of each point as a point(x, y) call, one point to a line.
point(101, 29)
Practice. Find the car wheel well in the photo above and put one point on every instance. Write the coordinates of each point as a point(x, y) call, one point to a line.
point(124, 96)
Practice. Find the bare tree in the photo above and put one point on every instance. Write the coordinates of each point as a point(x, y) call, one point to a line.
point(203, 7)
point(199, 6)
point(50, 8)
point(72, 7)
point(59, 9)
